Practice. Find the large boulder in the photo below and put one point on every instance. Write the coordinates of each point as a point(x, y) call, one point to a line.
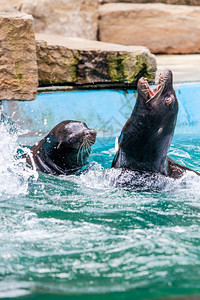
point(178, 2)
point(18, 67)
point(78, 61)
point(64, 17)
point(160, 27)
point(9, 5)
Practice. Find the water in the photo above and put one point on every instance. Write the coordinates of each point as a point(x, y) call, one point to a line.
point(79, 237)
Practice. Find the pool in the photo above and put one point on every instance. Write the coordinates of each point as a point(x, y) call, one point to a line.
point(79, 237)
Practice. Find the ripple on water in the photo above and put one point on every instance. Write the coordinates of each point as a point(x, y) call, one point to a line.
point(82, 235)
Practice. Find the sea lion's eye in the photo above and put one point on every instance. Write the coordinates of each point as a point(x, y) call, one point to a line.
point(169, 100)
point(71, 138)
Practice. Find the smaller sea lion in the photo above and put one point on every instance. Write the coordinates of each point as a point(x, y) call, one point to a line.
point(65, 150)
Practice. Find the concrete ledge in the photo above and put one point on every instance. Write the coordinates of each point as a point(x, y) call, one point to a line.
point(77, 61)
point(185, 68)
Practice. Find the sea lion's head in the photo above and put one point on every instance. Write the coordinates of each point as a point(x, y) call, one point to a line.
point(159, 105)
point(69, 144)
point(161, 99)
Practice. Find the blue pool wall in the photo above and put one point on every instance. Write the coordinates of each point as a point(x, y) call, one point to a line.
point(104, 110)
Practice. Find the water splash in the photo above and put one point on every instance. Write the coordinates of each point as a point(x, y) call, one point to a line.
point(100, 178)
point(14, 174)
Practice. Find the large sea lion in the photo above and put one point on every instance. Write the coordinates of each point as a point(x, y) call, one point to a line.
point(65, 150)
point(147, 135)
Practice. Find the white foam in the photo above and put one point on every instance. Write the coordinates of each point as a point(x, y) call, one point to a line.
point(14, 174)
point(99, 178)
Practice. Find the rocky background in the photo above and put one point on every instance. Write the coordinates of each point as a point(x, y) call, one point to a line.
point(170, 27)
point(88, 42)
point(178, 2)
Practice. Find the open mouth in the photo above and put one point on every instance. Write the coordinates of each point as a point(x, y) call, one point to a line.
point(151, 93)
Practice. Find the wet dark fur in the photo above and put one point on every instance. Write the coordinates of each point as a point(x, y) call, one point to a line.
point(146, 137)
point(65, 150)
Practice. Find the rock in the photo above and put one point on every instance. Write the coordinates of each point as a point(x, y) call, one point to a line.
point(18, 67)
point(160, 27)
point(177, 2)
point(64, 17)
point(9, 5)
point(79, 61)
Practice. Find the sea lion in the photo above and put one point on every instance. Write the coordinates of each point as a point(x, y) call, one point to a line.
point(65, 150)
point(146, 137)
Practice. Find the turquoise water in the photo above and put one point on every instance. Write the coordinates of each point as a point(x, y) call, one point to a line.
point(80, 238)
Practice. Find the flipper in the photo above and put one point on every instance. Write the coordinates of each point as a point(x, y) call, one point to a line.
point(175, 170)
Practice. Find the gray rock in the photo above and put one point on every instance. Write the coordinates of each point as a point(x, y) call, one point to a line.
point(79, 61)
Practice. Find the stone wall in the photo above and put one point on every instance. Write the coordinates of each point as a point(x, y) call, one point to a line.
point(178, 2)
point(73, 18)
point(18, 67)
point(60, 60)
point(74, 61)
point(9, 5)
point(79, 18)
point(160, 27)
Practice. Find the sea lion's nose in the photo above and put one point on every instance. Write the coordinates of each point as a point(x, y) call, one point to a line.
point(91, 136)
point(92, 133)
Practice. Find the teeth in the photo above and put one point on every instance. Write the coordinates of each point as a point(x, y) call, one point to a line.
point(150, 93)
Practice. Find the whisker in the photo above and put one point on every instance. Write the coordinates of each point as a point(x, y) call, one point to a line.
point(86, 145)
point(79, 151)
point(82, 152)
